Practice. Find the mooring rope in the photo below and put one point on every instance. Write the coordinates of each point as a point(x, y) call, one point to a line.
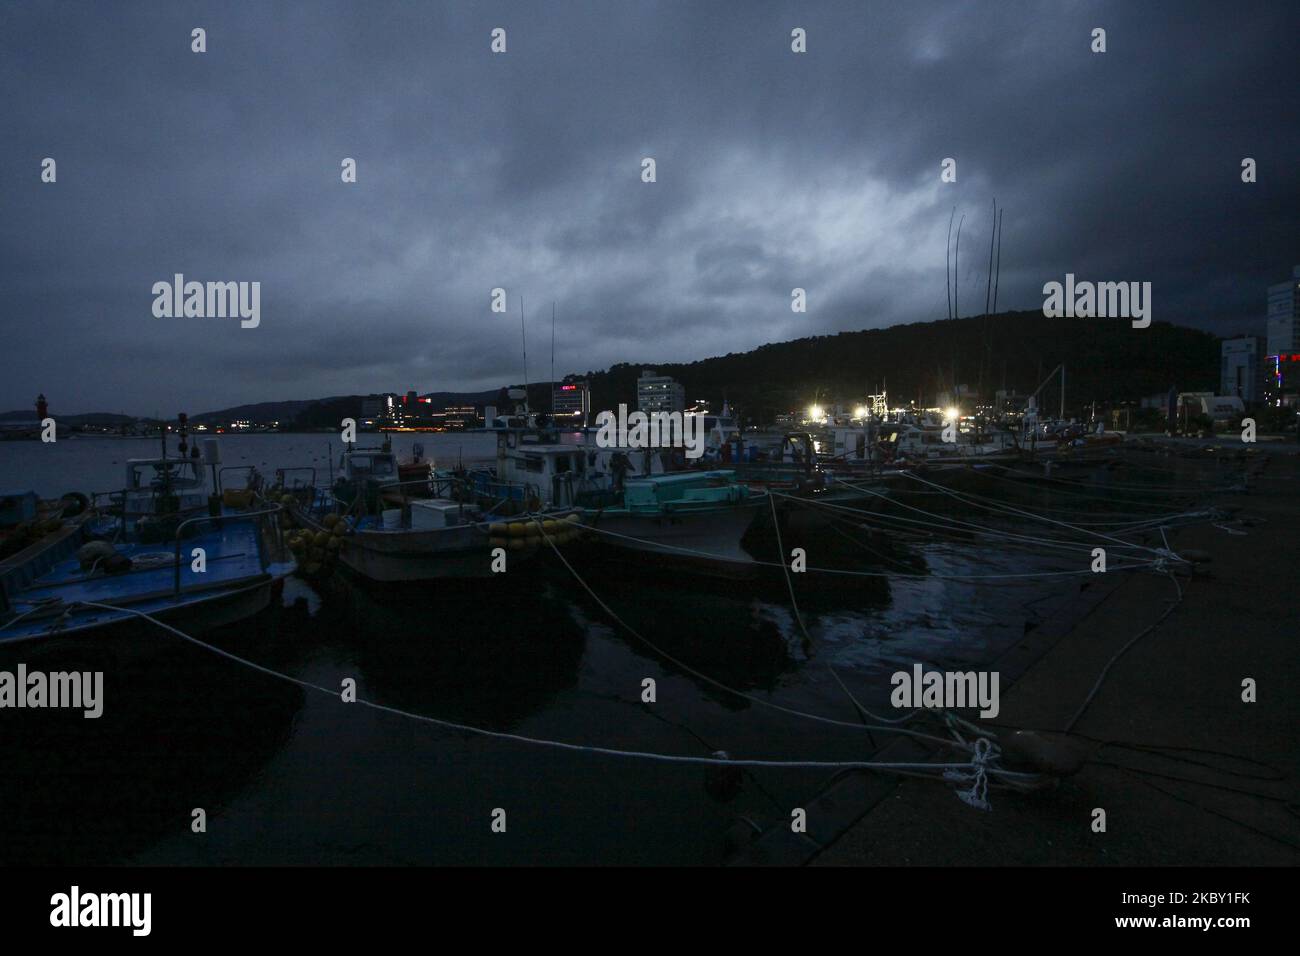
point(921, 767)
point(789, 583)
point(714, 556)
point(1072, 488)
point(979, 530)
point(1137, 517)
point(1101, 678)
point(712, 680)
point(1139, 489)
point(1064, 524)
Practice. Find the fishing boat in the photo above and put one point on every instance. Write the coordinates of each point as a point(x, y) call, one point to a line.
point(160, 546)
point(813, 492)
point(390, 530)
point(693, 518)
point(913, 444)
point(25, 518)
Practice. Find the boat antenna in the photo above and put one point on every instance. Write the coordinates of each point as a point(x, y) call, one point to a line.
point(988, 292)
point(956, 312)
point(997, 273)
point(523, 337)
point(988, 286)
point(552, 358)
point(947, 263)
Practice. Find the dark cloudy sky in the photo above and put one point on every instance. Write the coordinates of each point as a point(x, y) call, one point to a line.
point(522, 170)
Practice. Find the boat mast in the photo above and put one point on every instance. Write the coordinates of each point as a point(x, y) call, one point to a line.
point(523, 336)
point(988, 292)
point(997, 272)
point(988, 285)
point(947, 262)
point(956, 254)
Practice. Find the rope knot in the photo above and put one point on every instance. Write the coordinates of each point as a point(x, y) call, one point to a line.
point(978, 794)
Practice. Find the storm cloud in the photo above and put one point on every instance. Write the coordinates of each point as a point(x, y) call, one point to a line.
point(522, 170)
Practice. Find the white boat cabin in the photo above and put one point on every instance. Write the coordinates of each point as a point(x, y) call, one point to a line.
point(914, 441)
point(364, 464)
point(149, 478)
point(543, 467)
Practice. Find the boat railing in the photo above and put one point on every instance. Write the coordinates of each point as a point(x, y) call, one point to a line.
point(114, 504)
point(281, 472)
point(526, 494)
point(436, 485)
point(306, 494)
point(260, 515)
point(103, 502)
point(444, 486)
point(252, 483)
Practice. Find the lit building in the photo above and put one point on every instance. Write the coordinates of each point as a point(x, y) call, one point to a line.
point(659, 393)
point(1283, 314)
point(461, 416)
point(1283, 378)
point(1282, 359)
point(572, 402)
point(1242, 368)
point(416, 412)
point(376, 409)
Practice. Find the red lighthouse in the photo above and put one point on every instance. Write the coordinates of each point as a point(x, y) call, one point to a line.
point(42, 409)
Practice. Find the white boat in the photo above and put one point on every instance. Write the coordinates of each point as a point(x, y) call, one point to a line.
point(918, 444)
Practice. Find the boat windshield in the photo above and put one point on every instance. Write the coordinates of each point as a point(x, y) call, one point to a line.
point(371, 466)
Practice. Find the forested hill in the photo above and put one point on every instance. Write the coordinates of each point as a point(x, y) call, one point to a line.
point(1105, 359)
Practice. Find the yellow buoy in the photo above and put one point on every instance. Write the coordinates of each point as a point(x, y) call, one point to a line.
point(320, 538)
point(518, 529)
point(330, 520)
point(497, 528)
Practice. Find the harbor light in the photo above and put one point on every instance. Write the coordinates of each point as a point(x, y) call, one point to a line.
point(861, 411)
point(951, 414)
point(816, 413)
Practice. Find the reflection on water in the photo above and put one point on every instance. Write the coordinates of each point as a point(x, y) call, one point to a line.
point(178, 731)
